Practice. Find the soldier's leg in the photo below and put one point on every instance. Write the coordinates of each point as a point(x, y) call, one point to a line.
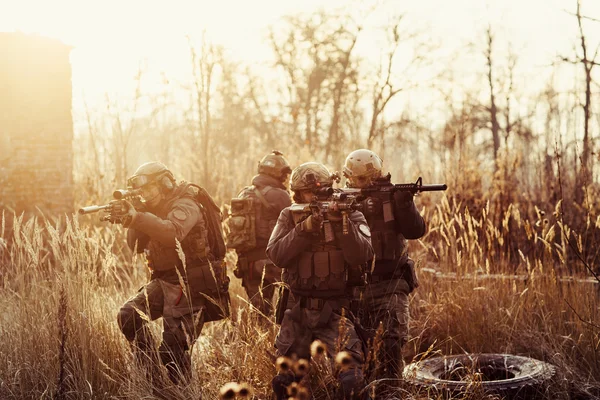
point(259, 285)
point(395, 335)
point(255, 295)
point(387, 305)
point(272, 277)
point(339, 334)
point(149, 303)
point(182, 323)
point(291, 339)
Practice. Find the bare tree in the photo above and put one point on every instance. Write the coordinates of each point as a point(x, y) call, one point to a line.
point(588, 62)
point(123, 130)
point(204, 63)
point(393, 78)
point(315, 52)
point(492, 108)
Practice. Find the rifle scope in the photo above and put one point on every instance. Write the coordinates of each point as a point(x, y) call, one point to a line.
point(126, 193)
point(323, 191)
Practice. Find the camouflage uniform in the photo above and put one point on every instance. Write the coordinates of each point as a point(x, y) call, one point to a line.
point(385, 298)
point(317, 273)
point(393, 219)
point(259, 275)
point(184, 309)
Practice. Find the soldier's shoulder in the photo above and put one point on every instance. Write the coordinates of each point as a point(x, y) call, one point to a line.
point(187, 201)
point(357, 216)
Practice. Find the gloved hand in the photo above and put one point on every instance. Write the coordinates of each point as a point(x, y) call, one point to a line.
point(333, 214)
point(403, 199)
point(122, 212)
point(371, 206)
point(311, 224)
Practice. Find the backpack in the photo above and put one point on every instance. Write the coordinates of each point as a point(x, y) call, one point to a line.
point(244, 215)
point(214, 218)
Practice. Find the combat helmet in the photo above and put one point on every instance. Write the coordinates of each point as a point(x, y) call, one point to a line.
point(362, 164)
point(310, 176)
point(152, 172)
point(274, 164)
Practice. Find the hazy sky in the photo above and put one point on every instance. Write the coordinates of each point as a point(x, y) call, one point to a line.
point(111, 36)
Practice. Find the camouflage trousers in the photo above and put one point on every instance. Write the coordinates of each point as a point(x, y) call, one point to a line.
point(260, 280)
point(385, 304)
point(183, 320)
point(301, 326)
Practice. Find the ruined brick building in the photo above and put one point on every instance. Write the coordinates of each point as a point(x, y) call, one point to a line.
point(36, 125)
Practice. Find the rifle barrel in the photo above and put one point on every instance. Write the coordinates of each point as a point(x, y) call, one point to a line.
point(93, 209)
point(433, 188)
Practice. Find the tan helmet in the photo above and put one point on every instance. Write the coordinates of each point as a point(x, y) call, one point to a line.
point(150, 172)
point(274, 164)
point(310, 175)
point(362, 163)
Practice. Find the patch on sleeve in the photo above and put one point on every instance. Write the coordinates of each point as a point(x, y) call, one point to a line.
point(180, 215)
point(364, 229)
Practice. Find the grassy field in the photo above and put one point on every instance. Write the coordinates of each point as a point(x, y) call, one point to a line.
point(63, 283)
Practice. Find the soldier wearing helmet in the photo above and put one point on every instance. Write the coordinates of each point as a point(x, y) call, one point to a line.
point(393, 218)
point(268, 195)
point(316, 268)
point(182, 293)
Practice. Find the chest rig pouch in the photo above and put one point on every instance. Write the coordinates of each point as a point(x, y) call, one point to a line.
point(320, 272)
point(387, 243)
point(195, 245)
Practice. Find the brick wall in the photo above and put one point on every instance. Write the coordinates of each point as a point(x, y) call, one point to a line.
point(36, 125)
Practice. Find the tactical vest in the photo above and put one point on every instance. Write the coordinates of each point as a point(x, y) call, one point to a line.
point(195, 245)
point(319, 271)
point(252, 219)
point(387, 243)
point(390, 246)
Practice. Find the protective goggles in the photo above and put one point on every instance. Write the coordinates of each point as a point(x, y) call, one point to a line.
point(138, 181)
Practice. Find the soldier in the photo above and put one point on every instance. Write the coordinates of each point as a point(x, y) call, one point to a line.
point(393, 218)
point(316, 266)
point(250, 226)
point(185, 295)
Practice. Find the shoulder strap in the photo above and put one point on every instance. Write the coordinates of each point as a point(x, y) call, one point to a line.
point(261, 197)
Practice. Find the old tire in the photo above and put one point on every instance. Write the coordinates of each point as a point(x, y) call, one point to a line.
point(510, 376)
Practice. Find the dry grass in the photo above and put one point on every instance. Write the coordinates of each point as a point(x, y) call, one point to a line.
point(68, 345)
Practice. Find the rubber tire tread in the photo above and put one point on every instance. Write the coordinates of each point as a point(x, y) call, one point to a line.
point(530, 378)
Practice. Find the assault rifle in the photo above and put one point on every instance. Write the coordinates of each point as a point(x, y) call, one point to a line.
point(327, 202)
point(384, 185)
point(382, 191)
point(114, 209)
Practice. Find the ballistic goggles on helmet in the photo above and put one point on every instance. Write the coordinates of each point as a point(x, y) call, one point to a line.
point(137, 181)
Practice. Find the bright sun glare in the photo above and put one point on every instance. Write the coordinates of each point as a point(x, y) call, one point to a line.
point(111, 37)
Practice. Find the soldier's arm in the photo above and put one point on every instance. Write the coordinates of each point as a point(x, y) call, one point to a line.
point(356, 244)
point(287, 241)
point(409, 221)
point(141, 238)
point(182, 217)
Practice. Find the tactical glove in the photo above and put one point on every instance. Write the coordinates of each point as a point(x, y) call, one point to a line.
point(122, 212)
point(371, 206)
point(311, 224)
point(333, 214)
